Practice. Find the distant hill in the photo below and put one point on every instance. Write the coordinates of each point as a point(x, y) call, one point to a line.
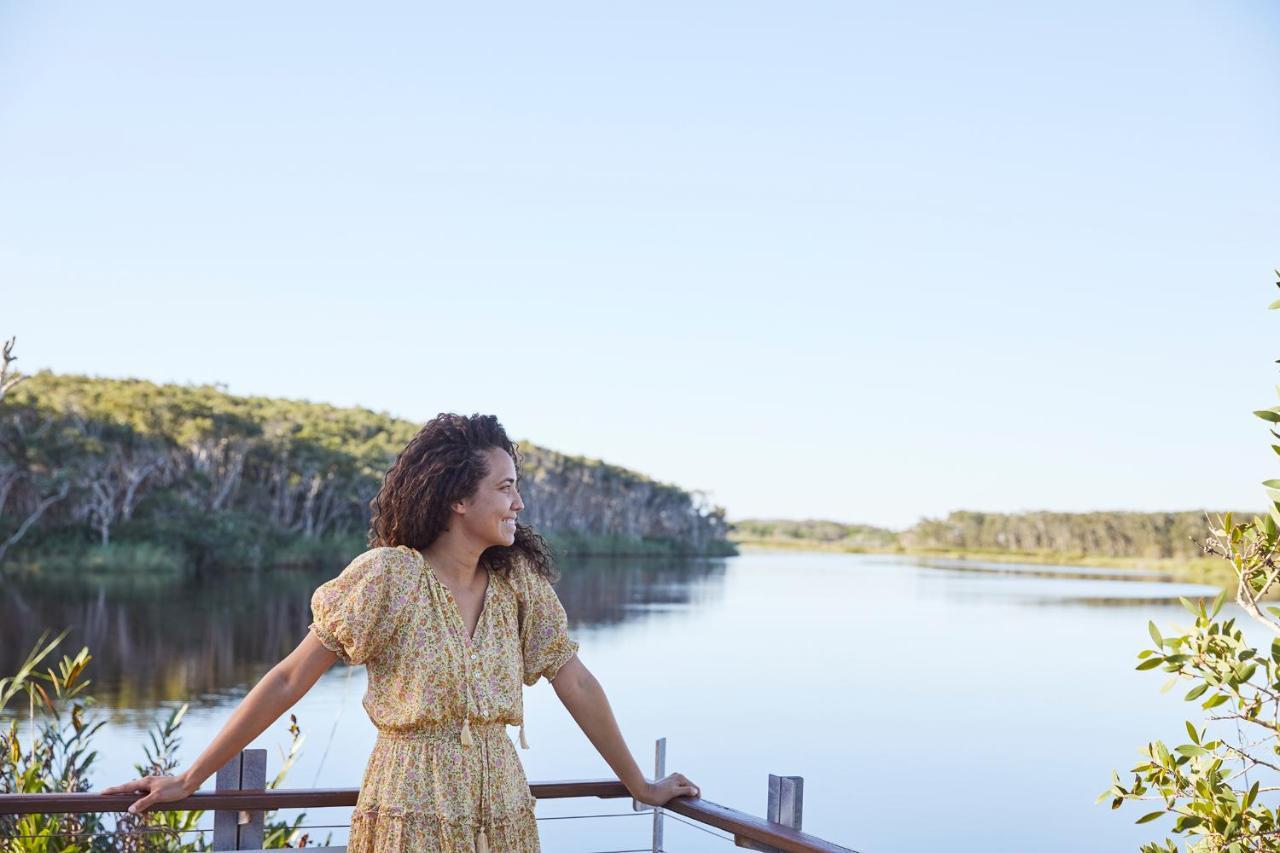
point(190, 474)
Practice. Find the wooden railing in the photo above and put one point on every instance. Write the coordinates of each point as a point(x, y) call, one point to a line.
point(241, 801)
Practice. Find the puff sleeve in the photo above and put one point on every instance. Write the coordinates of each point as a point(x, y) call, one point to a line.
point(356, 614)
point(545, 645)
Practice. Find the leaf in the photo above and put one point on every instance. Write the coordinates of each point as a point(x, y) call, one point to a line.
point(1187, 749)
point(1274, 305)
point(1193, 694)
point(1215, 701)
point(1155, 634)
point(1191, 730)
point(1251, 796)
point(1147, 818)
point(1187, 604)
point(1150, 663)
point(1217, 603)
point(1268, 415)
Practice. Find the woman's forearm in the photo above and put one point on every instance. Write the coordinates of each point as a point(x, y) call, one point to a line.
point(269, 698)
point(586, 701)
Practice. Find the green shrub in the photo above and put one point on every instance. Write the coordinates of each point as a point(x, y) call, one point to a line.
point(55, 756)
point(1215, 785)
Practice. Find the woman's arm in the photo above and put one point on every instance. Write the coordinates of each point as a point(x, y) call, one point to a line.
point(583, 696)
point(277, 692)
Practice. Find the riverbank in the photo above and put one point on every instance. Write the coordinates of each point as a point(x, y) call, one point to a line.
point(129, 475)
point(163, 559)
point(1206, 570)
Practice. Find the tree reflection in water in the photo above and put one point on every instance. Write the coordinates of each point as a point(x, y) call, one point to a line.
point(164, 639)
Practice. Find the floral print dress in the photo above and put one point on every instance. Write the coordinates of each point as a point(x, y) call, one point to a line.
point(444, 775)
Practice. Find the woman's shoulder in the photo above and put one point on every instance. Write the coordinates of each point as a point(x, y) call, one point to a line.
point(385, 559)
point(529, 583)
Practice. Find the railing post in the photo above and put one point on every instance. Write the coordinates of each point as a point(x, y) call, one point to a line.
point(240, 830)
point(659, 770)
point(786, 806)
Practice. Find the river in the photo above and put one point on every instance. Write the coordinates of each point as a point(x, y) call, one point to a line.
point(926, 706)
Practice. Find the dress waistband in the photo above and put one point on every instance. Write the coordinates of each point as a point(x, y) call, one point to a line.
point(445, 730)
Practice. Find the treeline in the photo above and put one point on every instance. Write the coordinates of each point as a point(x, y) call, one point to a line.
point(1169, 535)
point(830, 533)
point(193, 475)
point(1087, 534)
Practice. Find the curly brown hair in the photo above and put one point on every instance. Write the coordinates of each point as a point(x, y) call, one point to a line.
point(441, 465)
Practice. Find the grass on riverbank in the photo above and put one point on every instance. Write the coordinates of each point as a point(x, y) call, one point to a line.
point(1206, 570)
point(159, 559)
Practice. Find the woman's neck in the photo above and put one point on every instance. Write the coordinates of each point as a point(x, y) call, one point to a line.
point(457, 562)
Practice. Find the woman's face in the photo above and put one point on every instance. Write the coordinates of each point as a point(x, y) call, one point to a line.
point(491, 511)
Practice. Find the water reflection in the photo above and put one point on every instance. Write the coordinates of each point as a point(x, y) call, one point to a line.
point(1040, 570)
point(866, 675)
point(156, 640)
point(1053, 586)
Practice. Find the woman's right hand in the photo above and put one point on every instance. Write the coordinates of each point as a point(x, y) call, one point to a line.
point(158, 789)
point(661, 792)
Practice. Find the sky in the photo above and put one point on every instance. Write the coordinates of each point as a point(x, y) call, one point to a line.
point(862, 262)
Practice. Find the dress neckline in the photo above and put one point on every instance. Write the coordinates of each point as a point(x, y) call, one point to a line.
point(457, 609)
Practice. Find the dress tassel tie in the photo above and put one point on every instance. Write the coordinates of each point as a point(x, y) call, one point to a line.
point(466, 732)
point(524, 744)
point(482, 843)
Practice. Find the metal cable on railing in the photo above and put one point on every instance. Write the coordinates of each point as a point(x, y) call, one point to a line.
point(241, 801)
point(584, 816)
point(710, 832)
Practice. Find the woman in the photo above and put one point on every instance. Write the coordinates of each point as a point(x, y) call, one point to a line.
point(450, 610)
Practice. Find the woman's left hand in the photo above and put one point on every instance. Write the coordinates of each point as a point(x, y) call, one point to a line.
point(675, 785)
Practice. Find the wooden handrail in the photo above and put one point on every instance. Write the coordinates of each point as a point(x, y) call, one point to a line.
point(741, 824)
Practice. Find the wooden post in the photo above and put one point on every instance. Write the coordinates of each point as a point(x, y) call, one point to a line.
point(659, 770)
point(786, 806)
point(240, 830)
point(226, 835)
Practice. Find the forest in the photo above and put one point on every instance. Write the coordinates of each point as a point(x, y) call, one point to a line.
point(1064, 535)
point(110, 474)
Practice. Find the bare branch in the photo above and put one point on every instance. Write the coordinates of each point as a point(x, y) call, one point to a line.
point(8, 381)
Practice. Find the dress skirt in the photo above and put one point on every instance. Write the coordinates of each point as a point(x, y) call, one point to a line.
point(424, 790)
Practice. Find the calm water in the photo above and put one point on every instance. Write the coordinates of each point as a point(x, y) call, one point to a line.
point(927, 707)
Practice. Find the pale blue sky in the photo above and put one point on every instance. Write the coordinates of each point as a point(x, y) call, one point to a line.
point(855, 261)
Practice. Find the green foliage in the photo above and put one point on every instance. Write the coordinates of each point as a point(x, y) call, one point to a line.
point(1089, 538)
point(56, 756)
point(1211, 785)
point(828, 533)
point(1149, 535)
point(209, 481)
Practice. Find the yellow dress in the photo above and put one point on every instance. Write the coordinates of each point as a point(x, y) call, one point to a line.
point(444, 775)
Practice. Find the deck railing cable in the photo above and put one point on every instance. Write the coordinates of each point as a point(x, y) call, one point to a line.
point(240, 801)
